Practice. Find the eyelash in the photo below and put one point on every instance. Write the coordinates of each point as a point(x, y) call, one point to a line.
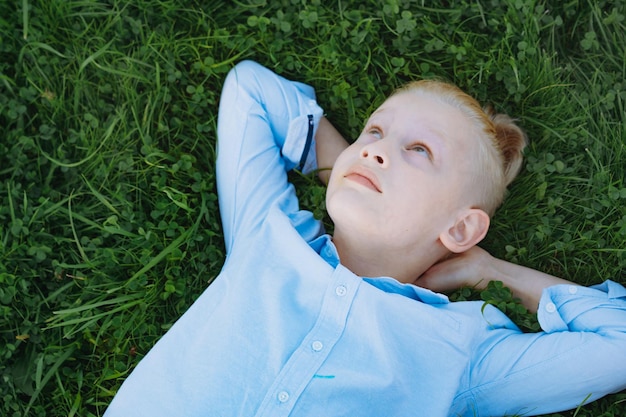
point(374, 130)
point(422, 147)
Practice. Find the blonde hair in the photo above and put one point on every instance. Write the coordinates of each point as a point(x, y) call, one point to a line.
point(501, 141)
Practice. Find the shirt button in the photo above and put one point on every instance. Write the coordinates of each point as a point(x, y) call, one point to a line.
point(341, 290)
point(573, 289)
point(317, 346)
point(550, 308)
point(283, 396)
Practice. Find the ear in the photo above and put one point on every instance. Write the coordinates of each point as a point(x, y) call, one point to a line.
point(467, 231)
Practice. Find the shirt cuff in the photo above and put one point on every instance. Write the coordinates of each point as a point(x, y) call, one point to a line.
point(299, 146)
point(578, 308)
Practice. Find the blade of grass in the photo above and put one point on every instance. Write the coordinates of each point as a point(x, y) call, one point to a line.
point(43, 381)
point(154, 261)
point(99, 196)
point(25, 19)
point(91, 58)
point(107, 135)
point(83, 254)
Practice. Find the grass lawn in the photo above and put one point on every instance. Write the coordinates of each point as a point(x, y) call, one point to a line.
point(109, 225)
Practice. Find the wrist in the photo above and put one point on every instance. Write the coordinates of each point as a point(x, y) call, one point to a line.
point(493, 269)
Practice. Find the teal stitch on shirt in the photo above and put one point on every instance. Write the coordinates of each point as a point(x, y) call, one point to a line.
point(324, 376)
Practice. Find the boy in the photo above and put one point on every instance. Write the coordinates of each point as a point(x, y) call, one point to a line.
point(304, 324)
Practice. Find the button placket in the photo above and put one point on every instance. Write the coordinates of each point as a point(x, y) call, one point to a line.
point(310, 355)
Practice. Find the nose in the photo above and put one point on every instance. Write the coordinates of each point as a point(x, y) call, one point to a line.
point(375, 153)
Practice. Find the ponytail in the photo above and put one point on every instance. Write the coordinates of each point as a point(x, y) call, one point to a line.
point(510, 140)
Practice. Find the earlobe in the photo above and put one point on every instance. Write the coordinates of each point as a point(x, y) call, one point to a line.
point(466, 232)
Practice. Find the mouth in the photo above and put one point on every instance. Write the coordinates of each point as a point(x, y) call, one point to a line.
point(364, 177)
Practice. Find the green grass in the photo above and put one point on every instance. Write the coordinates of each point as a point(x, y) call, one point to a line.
point(109, 226)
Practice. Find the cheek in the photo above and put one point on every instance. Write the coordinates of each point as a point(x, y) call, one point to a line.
point(342, 163)
point(330, 189)
point(350, 152)
point(335, 202)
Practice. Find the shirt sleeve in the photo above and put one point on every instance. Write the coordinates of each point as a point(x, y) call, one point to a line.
point(580, 355)
point(266, 127)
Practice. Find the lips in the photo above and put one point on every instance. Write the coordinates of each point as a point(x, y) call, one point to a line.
point(365, 177)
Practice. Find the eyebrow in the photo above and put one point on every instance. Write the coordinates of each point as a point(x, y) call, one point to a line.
point(376, 112)
point(436, 133)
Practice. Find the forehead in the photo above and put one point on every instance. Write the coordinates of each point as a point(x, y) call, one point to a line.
point(425, 115)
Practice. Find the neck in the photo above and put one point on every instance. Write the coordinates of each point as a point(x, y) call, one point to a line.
point(384, 259)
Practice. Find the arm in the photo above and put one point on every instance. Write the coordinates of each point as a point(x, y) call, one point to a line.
point(476, 267)
point(579, 356)
point(329, 144)
point(266, 127)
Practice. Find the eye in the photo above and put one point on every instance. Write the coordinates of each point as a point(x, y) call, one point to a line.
point(421, 149)
point(376, 132)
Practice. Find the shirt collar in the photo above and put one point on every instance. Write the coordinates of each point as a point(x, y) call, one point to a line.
point(326, 248)
point(324, 245)
point(391, 285)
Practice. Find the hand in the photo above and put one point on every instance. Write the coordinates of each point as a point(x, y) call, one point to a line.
point(476, 268)
point(467, 269)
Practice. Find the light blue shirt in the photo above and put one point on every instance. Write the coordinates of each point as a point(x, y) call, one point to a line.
point(285, 329)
